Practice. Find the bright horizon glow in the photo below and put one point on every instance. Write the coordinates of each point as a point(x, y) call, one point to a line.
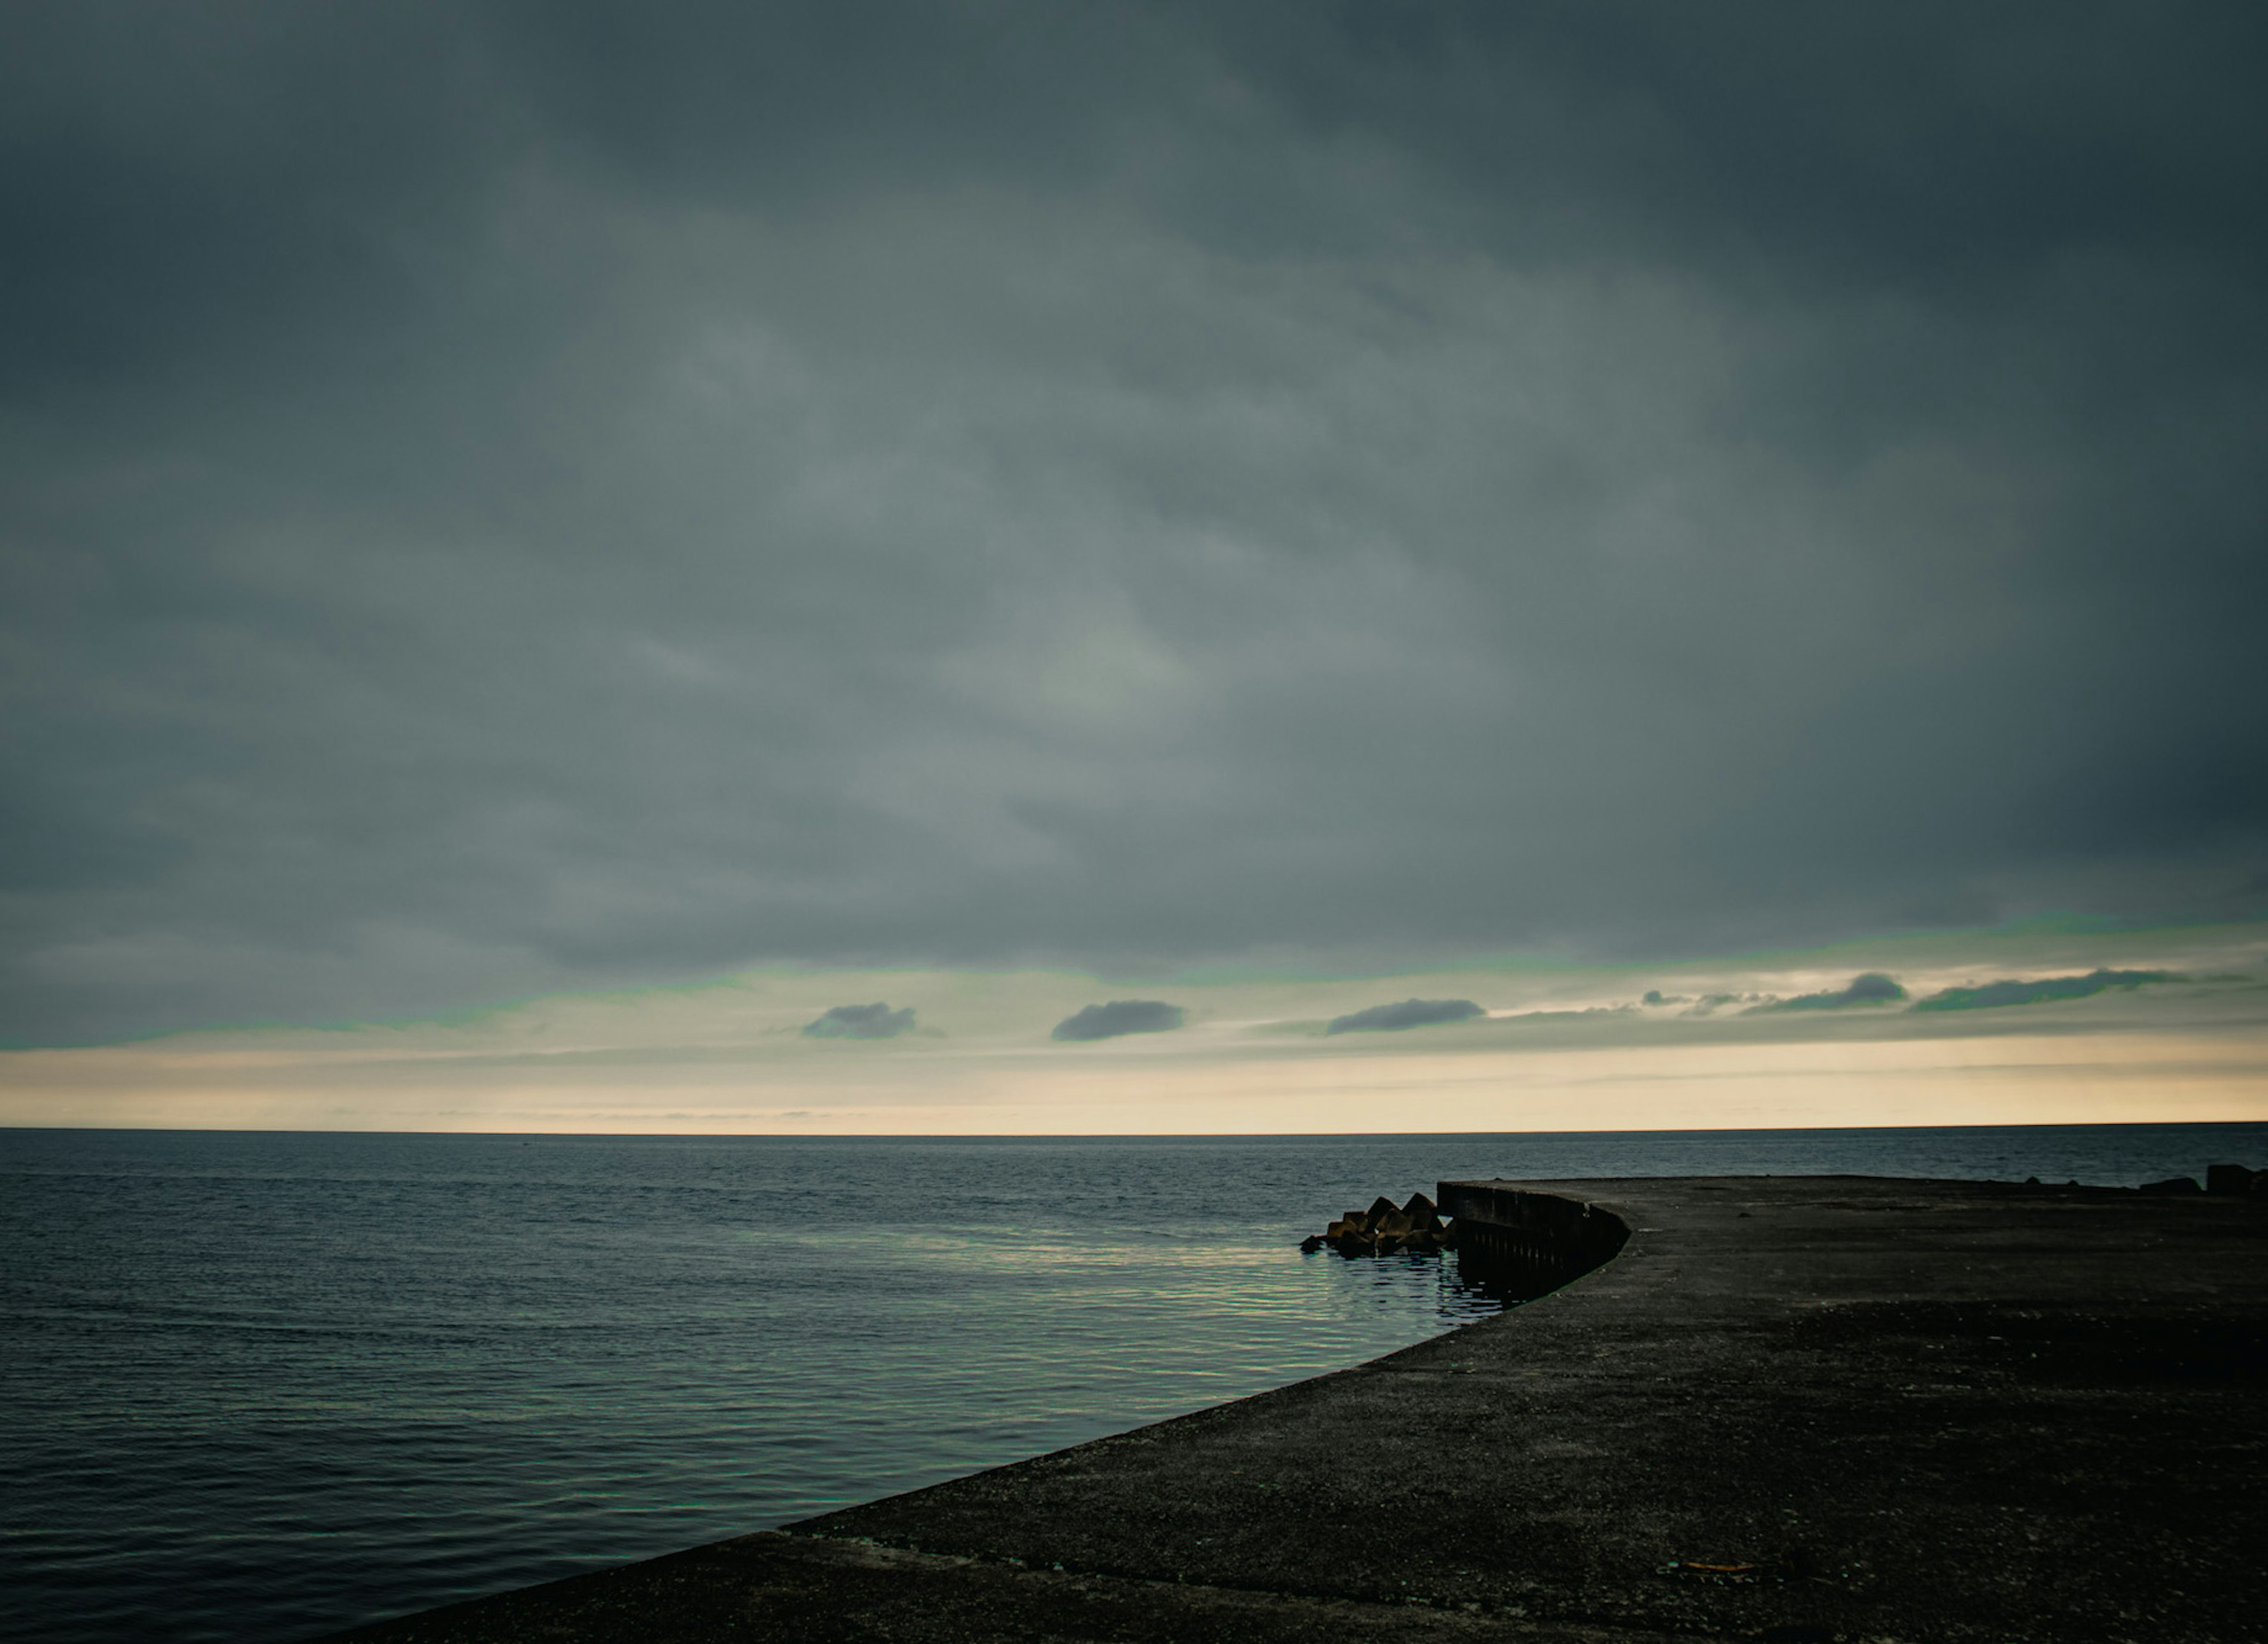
point(1562, 1047)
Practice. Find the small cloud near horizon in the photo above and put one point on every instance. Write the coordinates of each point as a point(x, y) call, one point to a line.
point(1870, 988)
point(1995, 995)
point(1119, 1017)
point(877, 1020)
point(1410, 1013)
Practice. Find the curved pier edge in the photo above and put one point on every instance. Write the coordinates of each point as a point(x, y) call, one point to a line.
point(1523, 1242)
point(1789, 1409)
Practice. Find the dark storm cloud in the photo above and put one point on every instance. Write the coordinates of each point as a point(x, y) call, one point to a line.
point(1410, 1013)
point(1993, 995)
point(504, 496)
point(1118, 1018)
point(860, 1021)
point(1871, 988)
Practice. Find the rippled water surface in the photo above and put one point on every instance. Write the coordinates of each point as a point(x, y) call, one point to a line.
point(258, 1386)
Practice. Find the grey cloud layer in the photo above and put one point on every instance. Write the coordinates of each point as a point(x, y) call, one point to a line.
point(1996, 995)
point(1117, 1019)
point(877, 1020)
point(503, 496)
point(1410, 1013)
point(1871, 988)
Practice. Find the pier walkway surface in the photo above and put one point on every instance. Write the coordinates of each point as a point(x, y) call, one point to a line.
point(1912, 1410)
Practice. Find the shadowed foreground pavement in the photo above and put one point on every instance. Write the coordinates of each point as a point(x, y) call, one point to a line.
point(1919, 1410)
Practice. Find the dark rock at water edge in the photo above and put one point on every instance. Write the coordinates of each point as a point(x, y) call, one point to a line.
point(1386, 1229)
point(2234, 1178)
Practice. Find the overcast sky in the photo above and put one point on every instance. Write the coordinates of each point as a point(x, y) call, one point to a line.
point(506, 496)
point(2084, 1027)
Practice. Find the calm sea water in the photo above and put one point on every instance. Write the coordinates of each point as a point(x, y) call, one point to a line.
point(259, 1386)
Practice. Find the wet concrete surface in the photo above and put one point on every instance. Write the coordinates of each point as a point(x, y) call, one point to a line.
point(1881, 1409)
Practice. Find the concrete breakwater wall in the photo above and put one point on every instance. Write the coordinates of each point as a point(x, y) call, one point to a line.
point(1527, 1241)
point(1791, 1408)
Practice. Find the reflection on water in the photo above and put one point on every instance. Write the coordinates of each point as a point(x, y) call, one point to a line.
point(261, 1386)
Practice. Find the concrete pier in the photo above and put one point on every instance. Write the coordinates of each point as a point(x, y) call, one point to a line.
point(1808, 1408)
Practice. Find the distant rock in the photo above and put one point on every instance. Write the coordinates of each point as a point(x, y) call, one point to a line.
point(2173, 1185)
point(1119, 1017)
point(1410, 1013)
point(877, 1020)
